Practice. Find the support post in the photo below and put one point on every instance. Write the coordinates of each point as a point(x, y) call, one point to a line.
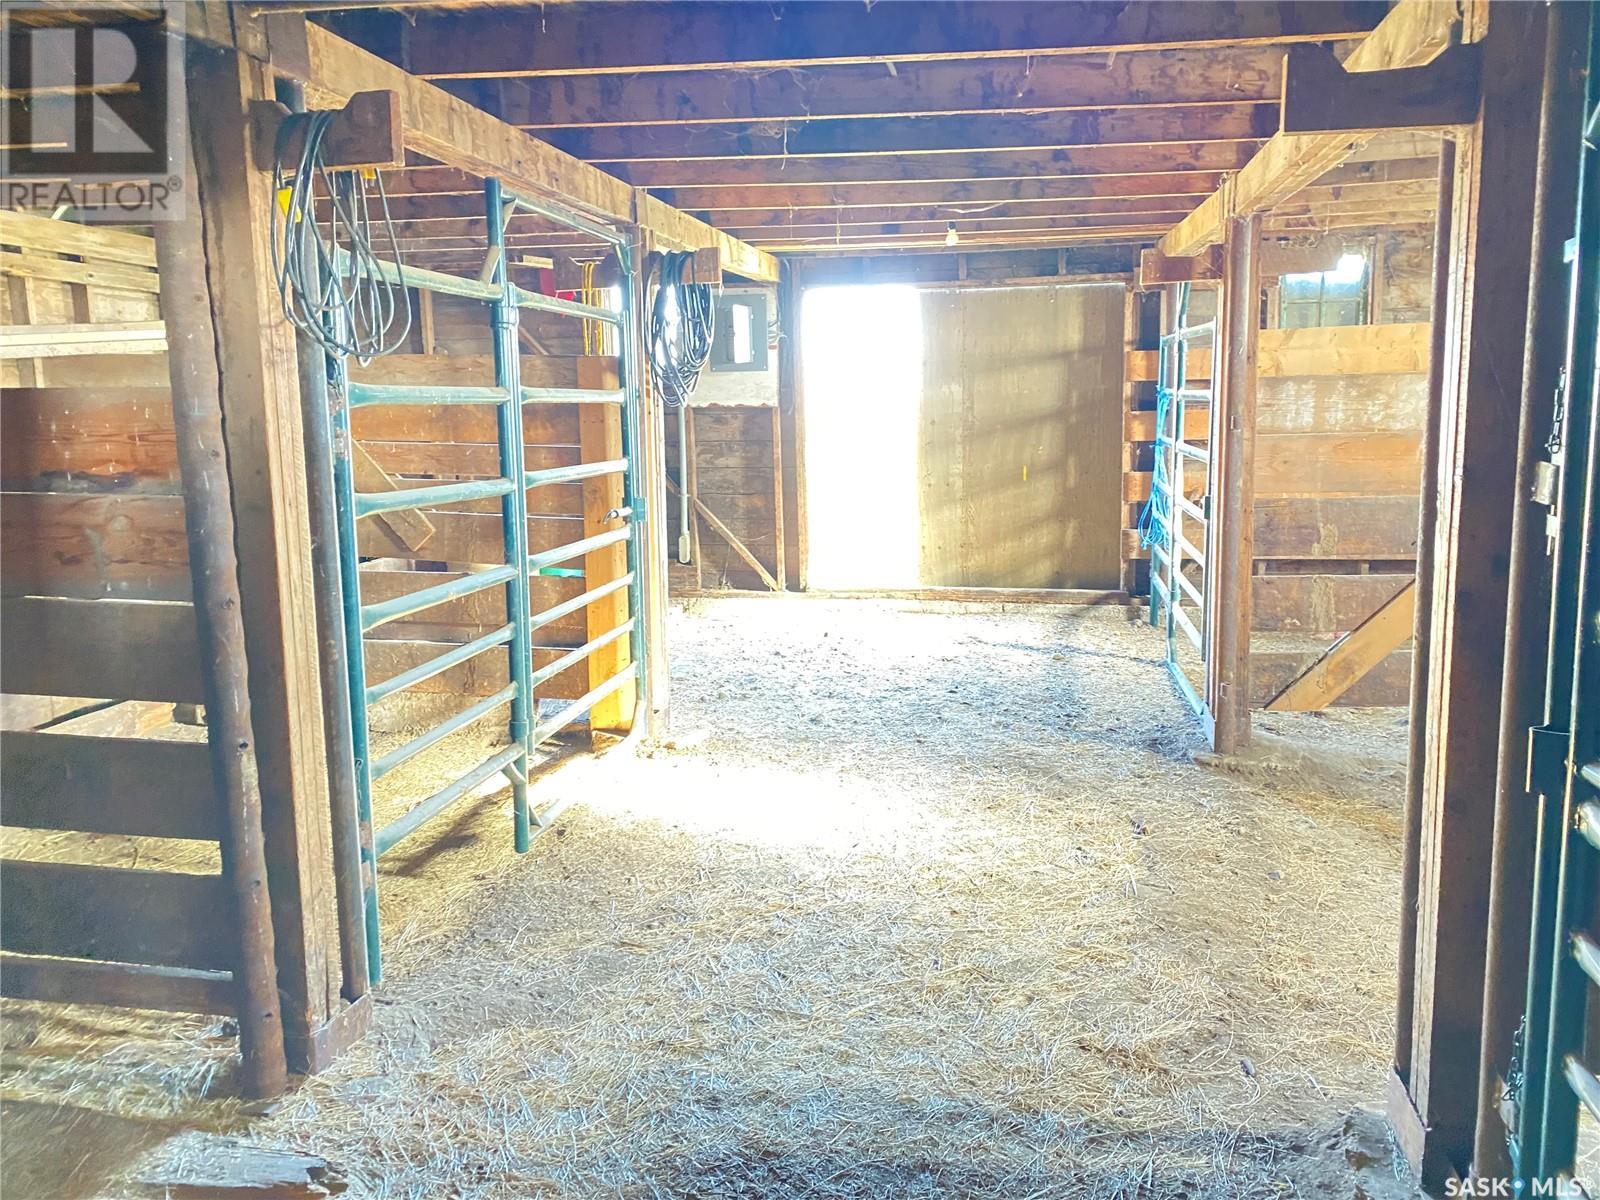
point(214, 566)
point(792, 425)
point(1422, 620)
point(1486, 323)
point(265, 447)
point(1230, 549)
point(779, 558)
point(1522, 698)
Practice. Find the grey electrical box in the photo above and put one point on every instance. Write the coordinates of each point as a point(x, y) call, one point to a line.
point(739, 342)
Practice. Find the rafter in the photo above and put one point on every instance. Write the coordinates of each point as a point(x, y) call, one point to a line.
point(1231, 75)
point(1044, 163)
point(921, 135)
point(595, 38)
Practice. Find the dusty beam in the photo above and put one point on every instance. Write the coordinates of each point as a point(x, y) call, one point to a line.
point(580, 39)
point(1234, 75)
point(1141, 126)
point(454, 132)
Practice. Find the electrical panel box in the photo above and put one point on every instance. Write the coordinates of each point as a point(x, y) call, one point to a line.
point(739, 341)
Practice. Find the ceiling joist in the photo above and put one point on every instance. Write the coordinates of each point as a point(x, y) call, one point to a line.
point(574, 39)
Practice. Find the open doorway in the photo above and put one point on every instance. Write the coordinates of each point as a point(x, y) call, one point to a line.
point(963, 437)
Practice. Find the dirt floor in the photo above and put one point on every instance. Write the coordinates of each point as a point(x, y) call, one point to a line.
point(919, 900)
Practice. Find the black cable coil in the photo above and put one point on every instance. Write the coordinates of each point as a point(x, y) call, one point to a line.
point(329, 280)
point(682, 319)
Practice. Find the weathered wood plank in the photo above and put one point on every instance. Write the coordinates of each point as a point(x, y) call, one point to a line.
point(119, 914)
point(724, 35)
point(1320, 603)
point(457, 134)
point(1337, 464)
point(543, 424)
point(481, 676)
point(1222, 75)
point(88, 439)
point(131, 547)
point(136, 786)
point(1329, 350)
point(1388, 685)
point(1378, 527)
point(32, 232)
point(120, 985)
point(114, 649)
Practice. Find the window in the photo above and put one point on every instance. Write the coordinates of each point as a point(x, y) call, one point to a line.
point(1336, 297)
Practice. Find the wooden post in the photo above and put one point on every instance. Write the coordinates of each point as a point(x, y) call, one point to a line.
point(1522, 699)
point(1486, 331)
point(653, 548)
point(214, 566)
point(1230, 550)
point(1422, 621)
point(600, 439)
point(779, 568)
point(691, 481)
point(261, 421)
point(792, 424)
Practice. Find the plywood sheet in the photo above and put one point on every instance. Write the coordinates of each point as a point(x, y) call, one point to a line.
point(1020, 437)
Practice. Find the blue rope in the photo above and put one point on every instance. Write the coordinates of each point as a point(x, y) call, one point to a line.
point(1156, 515)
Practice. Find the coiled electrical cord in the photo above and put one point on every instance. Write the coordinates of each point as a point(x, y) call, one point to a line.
point(329, 281)
point(682, 319)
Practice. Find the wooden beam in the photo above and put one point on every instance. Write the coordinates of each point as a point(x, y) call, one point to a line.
point(730, 537)
point(1063, 190)
point(1230, 75)
point(565, 40)
point(942, 166)
point(1411, 35)
point(1349, 659)
point(458, 135)
point(1320, 96)
point(849, 136)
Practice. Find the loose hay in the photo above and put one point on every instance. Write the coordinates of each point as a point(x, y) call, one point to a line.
point(920, 901)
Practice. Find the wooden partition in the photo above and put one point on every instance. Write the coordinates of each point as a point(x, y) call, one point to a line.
point(98, 621)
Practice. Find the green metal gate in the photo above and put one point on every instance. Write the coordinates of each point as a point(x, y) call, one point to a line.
point(503, 300)
point(1558, 1041)
point(1178, 571)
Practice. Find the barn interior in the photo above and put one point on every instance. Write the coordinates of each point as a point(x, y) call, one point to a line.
point(799, 598)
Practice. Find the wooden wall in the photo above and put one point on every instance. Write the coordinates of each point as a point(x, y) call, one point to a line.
point(1019, 441)
point(736, 474)
point(99, 641)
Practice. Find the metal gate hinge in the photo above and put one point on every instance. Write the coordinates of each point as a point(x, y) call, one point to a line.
point(1548, 751)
